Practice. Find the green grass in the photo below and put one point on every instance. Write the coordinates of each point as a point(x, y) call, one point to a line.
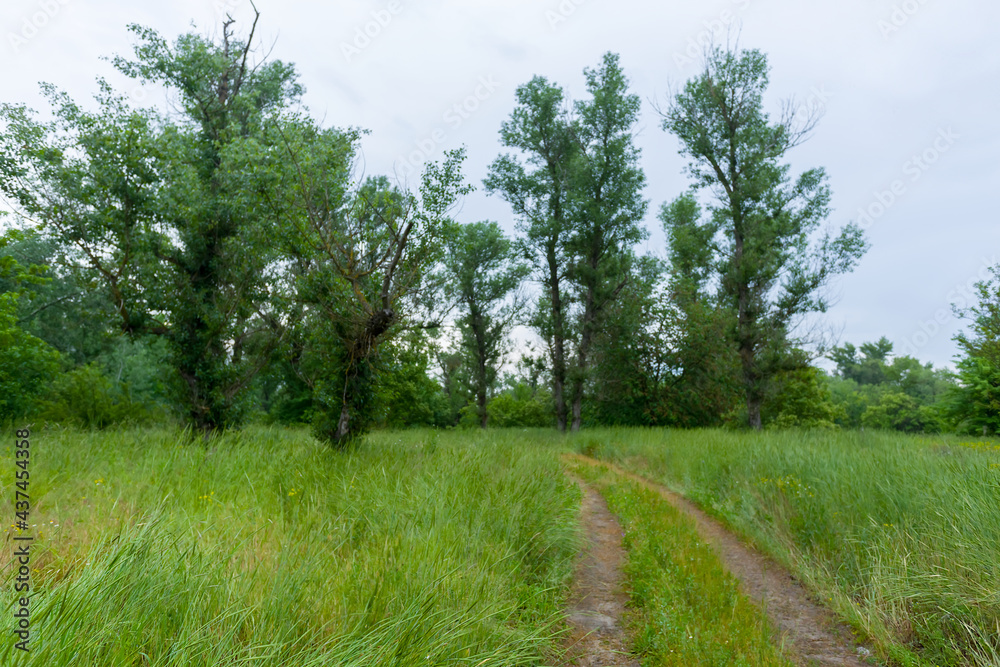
point(266, 548)
point(687, 609)
point(900, 534)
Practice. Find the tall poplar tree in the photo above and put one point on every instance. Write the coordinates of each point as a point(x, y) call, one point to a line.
point(607, 207)
point(537, 186)
point(576, 191)
point(768, 263)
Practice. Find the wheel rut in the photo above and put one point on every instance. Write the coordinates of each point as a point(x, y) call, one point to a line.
point(597, 600)
point(809, 630)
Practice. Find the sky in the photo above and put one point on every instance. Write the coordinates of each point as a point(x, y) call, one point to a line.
point(908, 89)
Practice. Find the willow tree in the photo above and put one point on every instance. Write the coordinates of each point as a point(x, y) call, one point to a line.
point(153, 206)
point(767, 254)
point(361, 262)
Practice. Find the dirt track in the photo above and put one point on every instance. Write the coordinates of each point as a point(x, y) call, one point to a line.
point(597, 602)
point(809, 630)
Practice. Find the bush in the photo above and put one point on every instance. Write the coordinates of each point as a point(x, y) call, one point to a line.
point(895, 411)
point(27, 364)
point(85, 397)
point(506, 410)
point(802, 400)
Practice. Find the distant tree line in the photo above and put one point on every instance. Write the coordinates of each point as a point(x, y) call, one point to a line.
point(219, 262)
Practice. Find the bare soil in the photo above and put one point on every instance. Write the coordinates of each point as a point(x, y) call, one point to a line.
point(597, 601)
point(809, 632)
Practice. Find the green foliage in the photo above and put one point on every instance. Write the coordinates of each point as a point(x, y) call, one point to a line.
point(538, 188)
point(64, 309)
point(631, 355)
point(975, 402)
point(483, 279)
point(873, 391)
point(405, 395)
point(608, 207)
point(802, 400)
point(764, 259)
point(156, 208)
point(897, 411)
point(85, 397)
point(522, 408)
point(869, 368)
point(27, 364)
point(362, 267)
point(577, 198)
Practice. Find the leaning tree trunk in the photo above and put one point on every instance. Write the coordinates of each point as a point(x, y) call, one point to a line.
point(355, 403)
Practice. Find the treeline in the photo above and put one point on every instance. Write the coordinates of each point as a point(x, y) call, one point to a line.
point(219, 262)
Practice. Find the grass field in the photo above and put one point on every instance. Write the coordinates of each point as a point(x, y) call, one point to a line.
point(265, 548)
point(900, 533)
point(456, 548)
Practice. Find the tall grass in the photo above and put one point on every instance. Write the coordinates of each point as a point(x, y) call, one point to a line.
point(900, 533)
point(266, 548)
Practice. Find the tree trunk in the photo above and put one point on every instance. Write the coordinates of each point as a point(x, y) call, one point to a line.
point(558, 343)
point(580, 375)
point(343, 425)
point(484, 416)
point(753, 412)
point(577, 408)
point(586, 337)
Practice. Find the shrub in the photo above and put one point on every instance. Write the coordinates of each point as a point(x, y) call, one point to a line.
point(87, 398)
point(27, 364)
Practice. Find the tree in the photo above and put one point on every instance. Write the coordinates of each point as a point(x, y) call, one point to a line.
point(900, 412)
point(64, 310)
point(154, 207)
point(874, 391)
point(703, 380)
point(484, 277)
point(975, 402)
point(869, 368)
point(405, 394)
point(539, 191)
point(579, 208)
point(607, 206)
point(631, 355)
point(361, 262)
point(760, 222)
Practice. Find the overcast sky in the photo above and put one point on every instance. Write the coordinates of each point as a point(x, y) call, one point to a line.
point(909, 88)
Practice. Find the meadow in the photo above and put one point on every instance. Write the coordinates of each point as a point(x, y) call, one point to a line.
point(267, 548)
point(427, 547)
